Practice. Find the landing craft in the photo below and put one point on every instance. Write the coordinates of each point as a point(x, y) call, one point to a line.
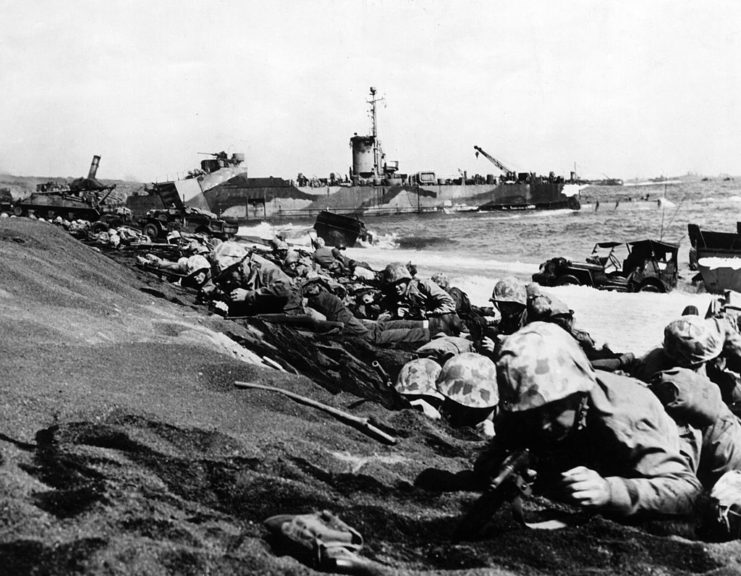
point(375, 186)
point(717, 256)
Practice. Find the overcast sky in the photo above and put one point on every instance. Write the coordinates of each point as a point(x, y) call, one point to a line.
point(628, 88)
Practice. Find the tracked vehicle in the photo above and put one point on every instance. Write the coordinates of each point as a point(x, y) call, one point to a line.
point(82, 199)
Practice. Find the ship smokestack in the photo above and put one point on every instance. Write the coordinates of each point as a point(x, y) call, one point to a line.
point(93, 168)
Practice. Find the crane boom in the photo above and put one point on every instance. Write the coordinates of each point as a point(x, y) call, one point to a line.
point(491, 159)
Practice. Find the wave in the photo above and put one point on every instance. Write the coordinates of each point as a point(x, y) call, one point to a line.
point(419, 242)
point(454, 264)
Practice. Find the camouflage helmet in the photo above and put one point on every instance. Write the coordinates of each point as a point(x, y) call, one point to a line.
point(543, 307)
point(396, 272)
point(292, 257)
point(228, 253)
point(692, 340)
point(539, 364)
point(470, 379)
point(196, 247)
point(418, 377)
point(510, 290)
point(196, 263)
point(440, 279)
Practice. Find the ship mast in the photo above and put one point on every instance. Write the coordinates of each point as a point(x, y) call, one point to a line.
point(377, 152)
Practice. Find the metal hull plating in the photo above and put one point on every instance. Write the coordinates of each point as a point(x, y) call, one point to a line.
point(248, 203)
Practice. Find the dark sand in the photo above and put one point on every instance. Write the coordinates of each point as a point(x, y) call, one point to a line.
point(126, 449)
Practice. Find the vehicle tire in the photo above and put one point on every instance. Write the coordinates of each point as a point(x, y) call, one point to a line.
point(651, 287)
point(567, 280)
point(99, 227)
point(151, 230)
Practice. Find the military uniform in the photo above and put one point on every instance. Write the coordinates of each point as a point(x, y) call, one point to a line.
point(709, 346)
point(268, 287)
point(380, 333)
point(423, 299)
point(711, 433)
point(621, 430)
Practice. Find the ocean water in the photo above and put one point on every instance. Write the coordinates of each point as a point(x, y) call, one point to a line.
point(477, 249)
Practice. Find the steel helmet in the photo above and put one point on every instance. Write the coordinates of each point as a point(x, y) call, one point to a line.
point(196, 247)
point(396, 272)
point(195, 264)
point(418, 377)
point(292, 257)
point(692, 340)
point(440, 279)
point(228, 253)
point(539, 364)
point(281, 245)
point(470, 379)
point(510, 290)
point(542, 307)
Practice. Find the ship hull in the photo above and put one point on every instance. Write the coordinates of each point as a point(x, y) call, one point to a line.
point(249, 202)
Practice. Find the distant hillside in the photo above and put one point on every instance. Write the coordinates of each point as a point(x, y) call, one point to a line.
point(22, 186)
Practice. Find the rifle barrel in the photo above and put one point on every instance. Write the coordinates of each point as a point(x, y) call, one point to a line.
point(362, 424)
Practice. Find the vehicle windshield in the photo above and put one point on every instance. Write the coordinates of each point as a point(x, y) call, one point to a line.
point(610, 257)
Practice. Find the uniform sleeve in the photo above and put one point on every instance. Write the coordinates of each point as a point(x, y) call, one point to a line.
point(661, 480)
point(274, 283)
point(440, 302)
point(182, 265)
point(721, 449)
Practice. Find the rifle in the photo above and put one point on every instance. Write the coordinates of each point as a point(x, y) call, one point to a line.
point(226, 272)
point(507, 485)
point(362, 424)
point(223, 281)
